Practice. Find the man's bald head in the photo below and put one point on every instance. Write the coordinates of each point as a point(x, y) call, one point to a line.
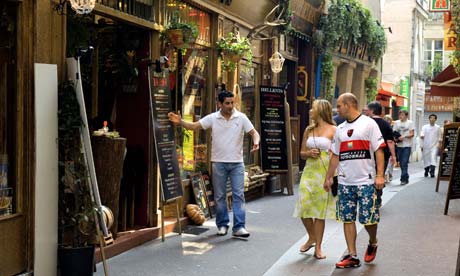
point(349, 99)
point(347, 106)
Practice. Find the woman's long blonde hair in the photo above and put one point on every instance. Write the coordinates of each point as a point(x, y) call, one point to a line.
point(324, 111)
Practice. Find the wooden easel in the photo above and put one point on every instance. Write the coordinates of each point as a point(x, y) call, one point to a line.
point(162, 208)
point(453, 191)
point(446, 157)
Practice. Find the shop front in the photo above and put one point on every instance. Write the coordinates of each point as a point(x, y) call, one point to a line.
point(16, 138)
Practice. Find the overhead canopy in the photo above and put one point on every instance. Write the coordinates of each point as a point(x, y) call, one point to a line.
point(386, 90)
point(446, 83)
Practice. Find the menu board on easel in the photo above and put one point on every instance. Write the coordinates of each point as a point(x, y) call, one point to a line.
point(160, 105)
point(453, 191)
point(446, 159)
point(273, 129)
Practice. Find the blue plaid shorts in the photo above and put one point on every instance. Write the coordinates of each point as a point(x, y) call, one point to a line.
point(350, 197)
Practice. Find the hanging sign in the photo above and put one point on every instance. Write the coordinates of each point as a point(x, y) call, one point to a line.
point(439, 5)
point(273, 129)
point(450, 36)
point(160, 105)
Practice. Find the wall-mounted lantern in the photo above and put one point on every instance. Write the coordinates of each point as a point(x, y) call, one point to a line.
point(276, 62)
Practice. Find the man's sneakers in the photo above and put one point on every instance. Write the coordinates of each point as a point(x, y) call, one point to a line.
point(348, 261)
point(241, 233)
point(371, 251)
point(222, 231)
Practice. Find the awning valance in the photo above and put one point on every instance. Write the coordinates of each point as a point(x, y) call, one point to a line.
point(446, 83)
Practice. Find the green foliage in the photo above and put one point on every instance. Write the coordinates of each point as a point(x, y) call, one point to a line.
point(189, 29)
point(327, 69)
point(455, 56)
point(76, 209)
point(348, 20)
point(233, 45)
point(371, 85)
point(435, 68)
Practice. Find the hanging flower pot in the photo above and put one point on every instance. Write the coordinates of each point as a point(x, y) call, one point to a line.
point(232, 56)
point(180, 34)
point(232, 49)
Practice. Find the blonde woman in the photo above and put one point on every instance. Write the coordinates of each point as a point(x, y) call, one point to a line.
point(315, 204)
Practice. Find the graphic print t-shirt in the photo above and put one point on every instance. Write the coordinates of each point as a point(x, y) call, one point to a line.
point(355, 143)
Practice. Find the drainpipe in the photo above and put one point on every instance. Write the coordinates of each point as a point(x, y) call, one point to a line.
point(318, 76)
point(412, 61)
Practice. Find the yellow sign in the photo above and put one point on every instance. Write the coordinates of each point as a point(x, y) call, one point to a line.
point(187, 147)
point(449, 32)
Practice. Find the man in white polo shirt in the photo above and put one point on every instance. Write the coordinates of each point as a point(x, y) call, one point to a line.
point(228, 126)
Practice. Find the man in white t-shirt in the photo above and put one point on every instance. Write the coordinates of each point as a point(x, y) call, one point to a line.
point(228, 126)
point(359, 175)
point(405, 127)
point(431, 137)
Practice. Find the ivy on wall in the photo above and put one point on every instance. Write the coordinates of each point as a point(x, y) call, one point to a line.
point(346, 21)
point(327, 69)
point(371, 85)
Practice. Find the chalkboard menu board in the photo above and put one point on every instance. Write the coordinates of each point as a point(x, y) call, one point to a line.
point(449, 140)
point(160, 105)
point(273, 129)
point(454, 181)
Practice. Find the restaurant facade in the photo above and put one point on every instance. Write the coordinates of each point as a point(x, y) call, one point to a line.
point(126, 47)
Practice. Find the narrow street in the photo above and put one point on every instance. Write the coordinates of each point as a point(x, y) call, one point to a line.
point(415, 238)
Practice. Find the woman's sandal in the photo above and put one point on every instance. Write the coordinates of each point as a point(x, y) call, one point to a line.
point(304, 249)
point(319, 257)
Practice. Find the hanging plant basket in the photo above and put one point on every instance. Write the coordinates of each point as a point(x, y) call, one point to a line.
point(180, 38)
point(180, 34)
point(230, 56)
point(232, 49)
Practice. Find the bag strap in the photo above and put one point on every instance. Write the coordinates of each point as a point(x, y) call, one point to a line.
point(320, 158)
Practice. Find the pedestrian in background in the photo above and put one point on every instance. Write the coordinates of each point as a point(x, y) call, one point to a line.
point(228, 126)
point(404, 143)
point(355, 141)
point(315, 204)
point(375, 112)
point(431, 144)
point(390, 165)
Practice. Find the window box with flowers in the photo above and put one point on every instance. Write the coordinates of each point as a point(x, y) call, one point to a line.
point(232, 49)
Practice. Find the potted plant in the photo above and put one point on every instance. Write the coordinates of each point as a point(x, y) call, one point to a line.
point(180, 34)
point(232, 49)
point(76, 209)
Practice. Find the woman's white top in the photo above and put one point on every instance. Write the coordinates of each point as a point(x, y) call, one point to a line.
point(322, 143)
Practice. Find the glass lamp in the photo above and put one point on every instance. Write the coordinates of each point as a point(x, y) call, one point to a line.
point(82, 6)
point(276, 62)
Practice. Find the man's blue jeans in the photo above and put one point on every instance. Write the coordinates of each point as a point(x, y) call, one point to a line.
point(403, 157)
point(220, 173)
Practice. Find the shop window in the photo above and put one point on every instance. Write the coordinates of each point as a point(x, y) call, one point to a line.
point(8, 91)
point(246, 92)
point(190, 98)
